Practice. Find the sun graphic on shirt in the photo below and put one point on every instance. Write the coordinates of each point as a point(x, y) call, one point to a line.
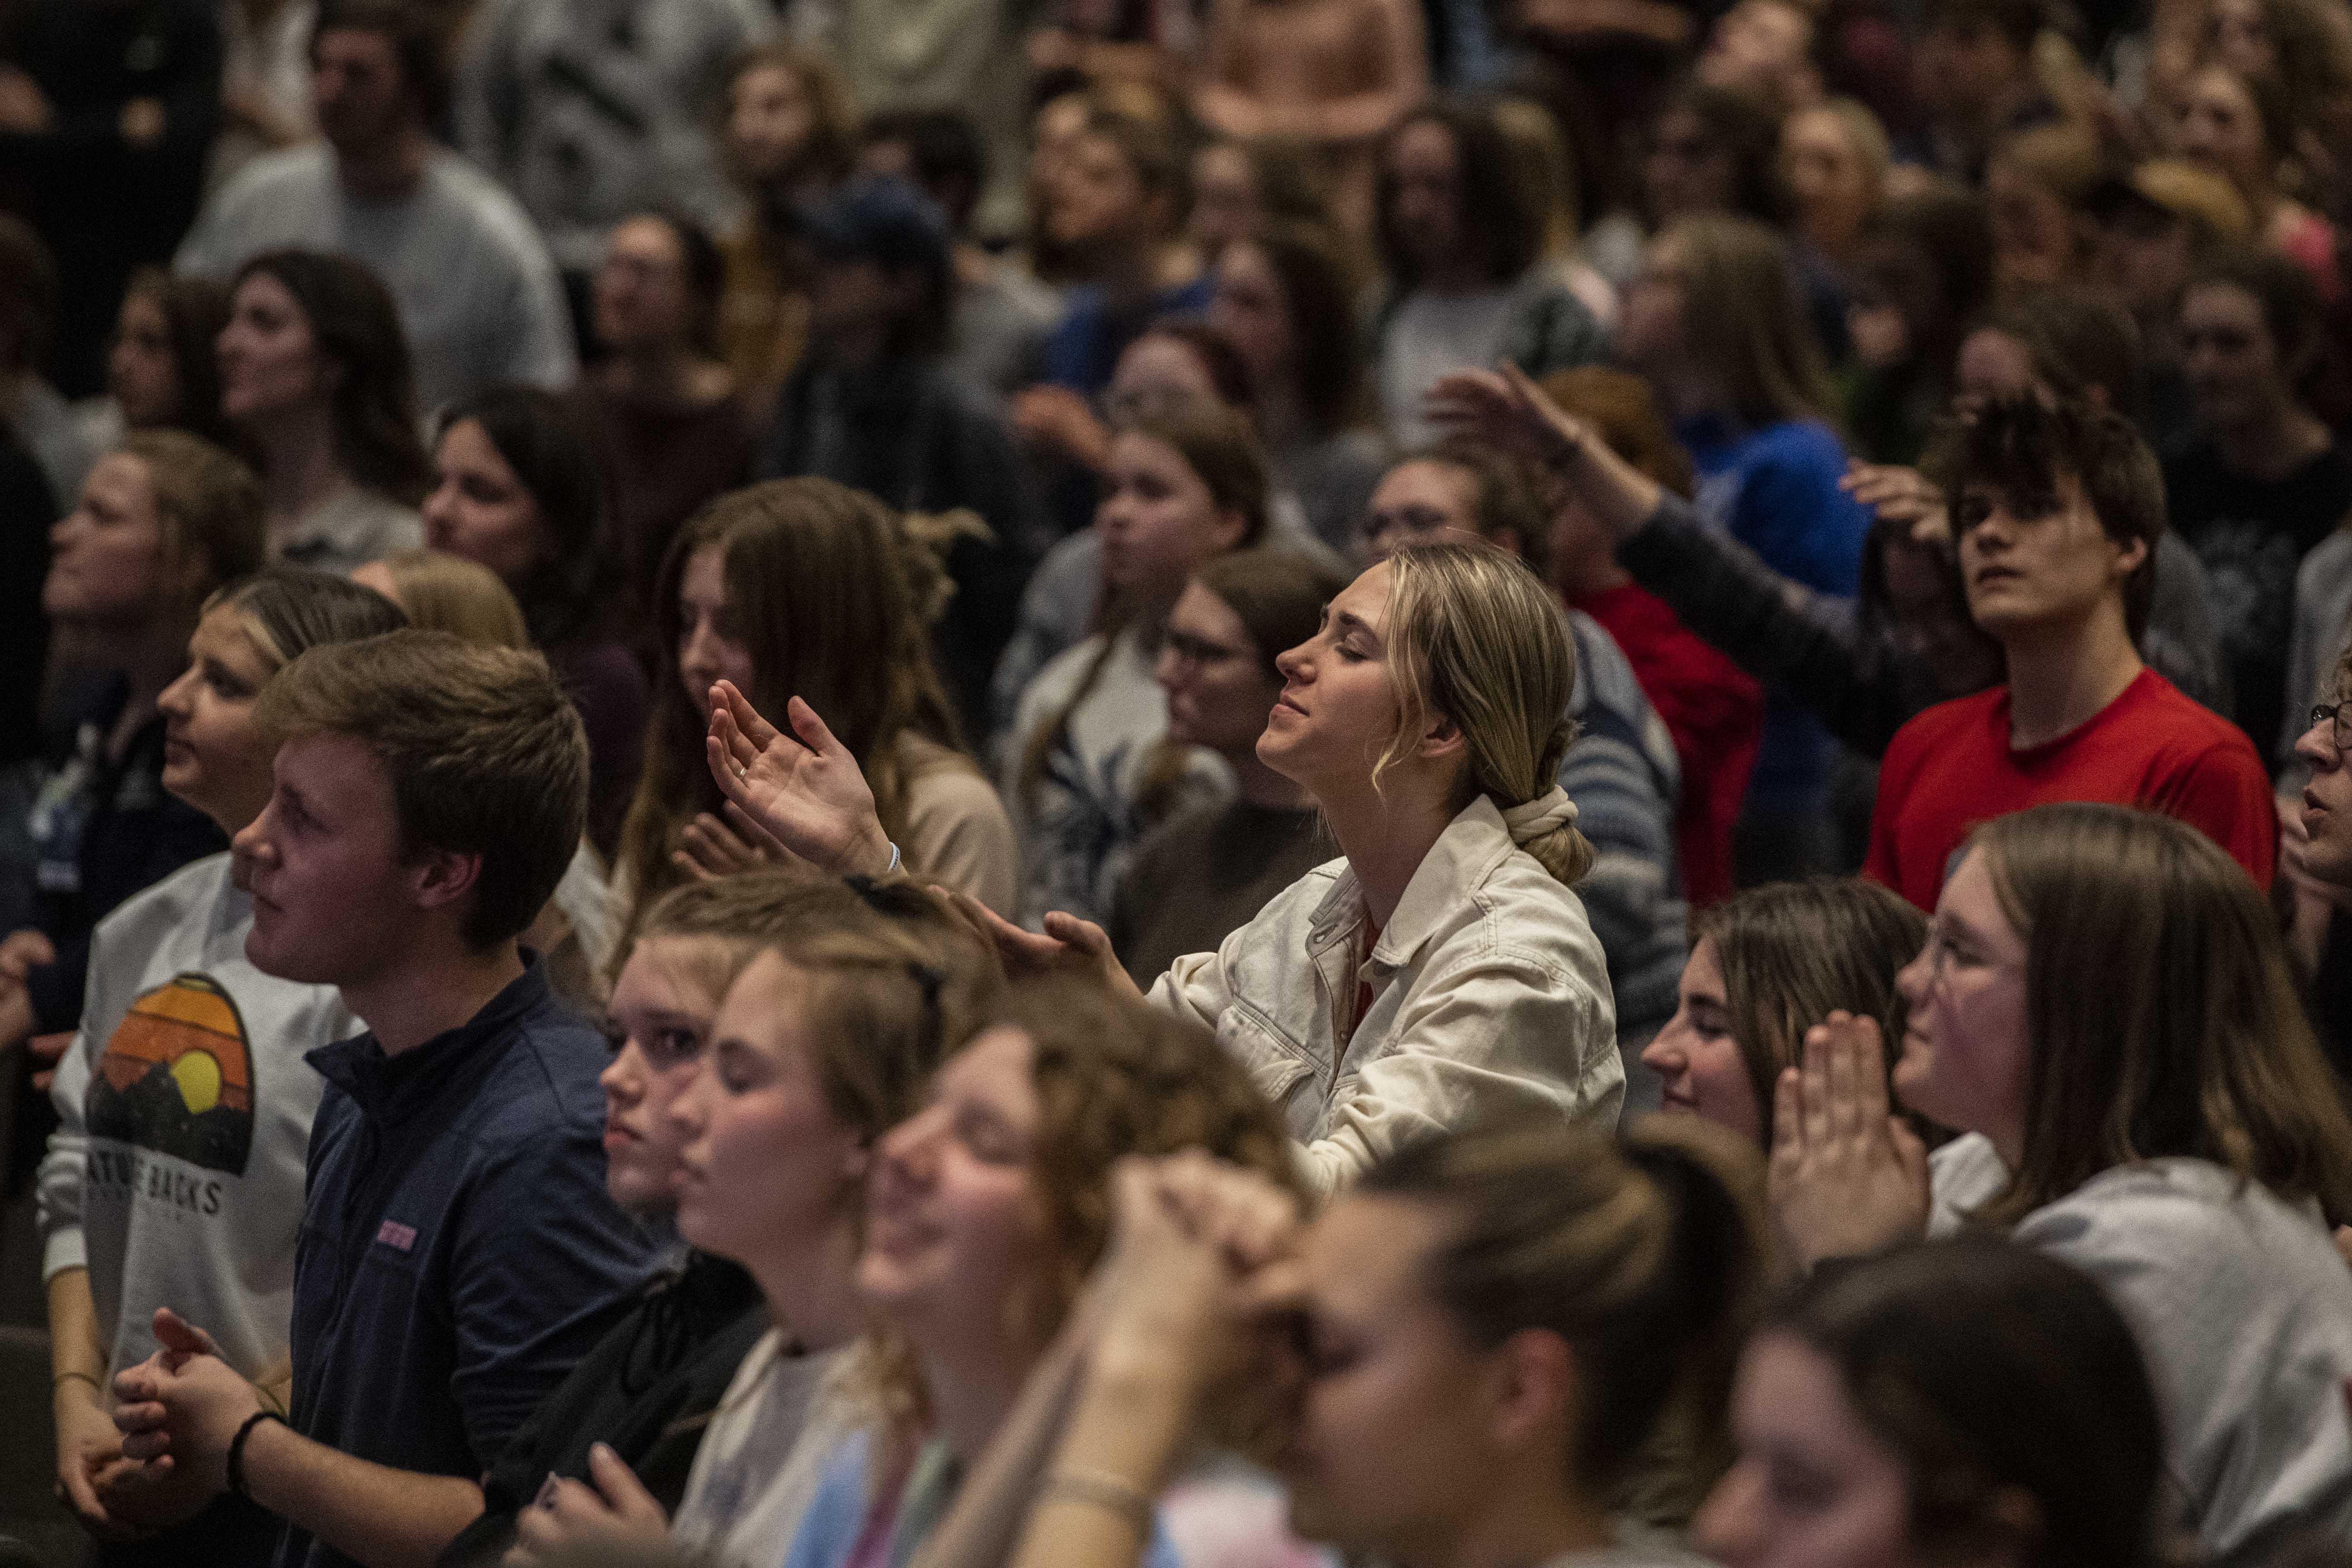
point(198, 1074)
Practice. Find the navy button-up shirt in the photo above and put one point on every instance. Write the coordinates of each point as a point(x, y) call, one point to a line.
point(459, 1250)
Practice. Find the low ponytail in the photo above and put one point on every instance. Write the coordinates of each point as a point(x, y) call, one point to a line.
point(1645, 1255)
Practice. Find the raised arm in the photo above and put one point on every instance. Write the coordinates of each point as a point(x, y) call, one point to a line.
point(801, 787)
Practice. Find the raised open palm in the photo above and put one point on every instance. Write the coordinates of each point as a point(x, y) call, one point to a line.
point(802, 788)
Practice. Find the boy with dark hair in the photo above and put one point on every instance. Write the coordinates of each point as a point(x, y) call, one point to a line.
point(2057, 518)
point(459, 1250)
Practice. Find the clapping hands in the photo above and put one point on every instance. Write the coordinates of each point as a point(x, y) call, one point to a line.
point(1847, 1175)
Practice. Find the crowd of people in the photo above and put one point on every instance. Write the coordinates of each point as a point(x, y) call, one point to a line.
point(924, 783)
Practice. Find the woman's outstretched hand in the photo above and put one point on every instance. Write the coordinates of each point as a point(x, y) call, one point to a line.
point(1506, 409)
point(1903, 497)
point(1066, 942)
point(802, 788)
point(1847, 1175)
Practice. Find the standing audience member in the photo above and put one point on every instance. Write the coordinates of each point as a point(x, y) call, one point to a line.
point(1115, 215)
point(2037, 188)
point(1002, 313)
point(1973, 74)
point(1285, 301)
point(162, 367)
point(1088, 769)
point(188, 1081)
point(803, 589)
point(36, 416)
point(106, 113)
point(1548, 1319)
point(1958, 1399)
point(1331, 76)
point(1715, 713)
point(2316, 851)
point(161, 524)
point(2240, 128)
point(315, 375)
point(679, 428)
point(2173, 1133)
point(2056, 513)
point(479, 297)
point(461, 1251)
point(1204, 875)
point(1478, 986)
point(2262, 481)
point(1715, 324)
point(2156, 226)
point(963, 54)
point(1766, 966)
point(522, 489)
point(1619, 769)
point(1922, 274)
point(265, 82)
point(1461, 242)
point(589, 113)
point(1833, 162)
point(790, 132)
point(874, 406)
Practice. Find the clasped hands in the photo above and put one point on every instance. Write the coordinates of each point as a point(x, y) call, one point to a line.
point(1847, 1175)
point(172, 1418)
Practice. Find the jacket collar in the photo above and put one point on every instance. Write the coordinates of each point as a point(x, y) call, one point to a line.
point(1473, 844)
point(391, 1088)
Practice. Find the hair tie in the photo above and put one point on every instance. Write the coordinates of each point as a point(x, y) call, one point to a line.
point(1532, 819)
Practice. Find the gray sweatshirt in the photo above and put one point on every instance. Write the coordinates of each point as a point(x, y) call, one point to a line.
point(175, 1175)
point(2244, 1310)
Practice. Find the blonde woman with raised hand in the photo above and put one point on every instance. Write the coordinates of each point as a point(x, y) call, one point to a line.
point(1441, 970)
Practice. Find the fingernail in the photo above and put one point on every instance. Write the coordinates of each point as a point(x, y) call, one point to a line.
point(546, 1498)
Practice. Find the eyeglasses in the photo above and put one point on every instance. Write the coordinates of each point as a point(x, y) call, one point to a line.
point(2337, 717)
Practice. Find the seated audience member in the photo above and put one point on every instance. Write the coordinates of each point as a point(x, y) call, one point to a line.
point(1330, 78)
point(679, 430)
point(587, 113)
point(790, 130)
point(1922, 274)
point(1863, 667)
point(1205, 874)
point(1241, 189)
point(1765, 967)
point(2037, 189)
point(1973, 71)
point(2171, 1129)
point(478, 295)
point(1715, 324)
point(656, 1386)
point(1549, 1318)
point(2239, 128)
point(1958, 1400)
point(522, 489)
point(1427, 719)
point(986, 1209)
point(1461, 242)
point(1114, 214)
point(163, 522)
point(2056, 513)
point(1715, 713)
point(314, 375)
point(1285, 302)
point(2262, 481)
point(1002, 313)
point(1620, 768)
point(35, 416)
point(799, 588)
point(1711, 151)
point(832, 1026)
point(2315, 851)
point(139, 1133)
point(162, 372)
point(1087, 768)
point(460, 1252)
point(874, 407)
point(2157, 225)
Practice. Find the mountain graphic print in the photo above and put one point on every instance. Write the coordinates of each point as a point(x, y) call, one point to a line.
point(177, 1077)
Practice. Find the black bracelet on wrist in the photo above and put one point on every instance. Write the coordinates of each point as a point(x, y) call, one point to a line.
point(236, 1449)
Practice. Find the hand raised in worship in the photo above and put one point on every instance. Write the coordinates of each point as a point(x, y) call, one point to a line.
point(1847, 1177)
point(1901, 496)
point(802, 789)
point(1506, 409)
point(568, 1518)
point(1066, 942)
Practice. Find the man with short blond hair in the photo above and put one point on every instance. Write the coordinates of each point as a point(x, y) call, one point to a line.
point(459, 1250)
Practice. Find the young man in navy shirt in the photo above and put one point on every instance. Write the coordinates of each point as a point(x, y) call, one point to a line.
point(459, 1250)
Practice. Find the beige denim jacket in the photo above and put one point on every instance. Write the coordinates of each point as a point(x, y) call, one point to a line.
point(1489, 993)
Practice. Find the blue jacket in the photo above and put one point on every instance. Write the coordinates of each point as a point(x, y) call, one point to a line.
point(458, 1251)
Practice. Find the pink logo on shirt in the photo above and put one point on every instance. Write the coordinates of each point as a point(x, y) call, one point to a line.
point(393, 1234)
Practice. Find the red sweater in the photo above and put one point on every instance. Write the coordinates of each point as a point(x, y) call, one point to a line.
point(1713, 710)
point(1952, 767)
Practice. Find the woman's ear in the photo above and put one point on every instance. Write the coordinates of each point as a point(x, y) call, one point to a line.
point(1231, 530)
point(1443, 739)
point(1533, 1389)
